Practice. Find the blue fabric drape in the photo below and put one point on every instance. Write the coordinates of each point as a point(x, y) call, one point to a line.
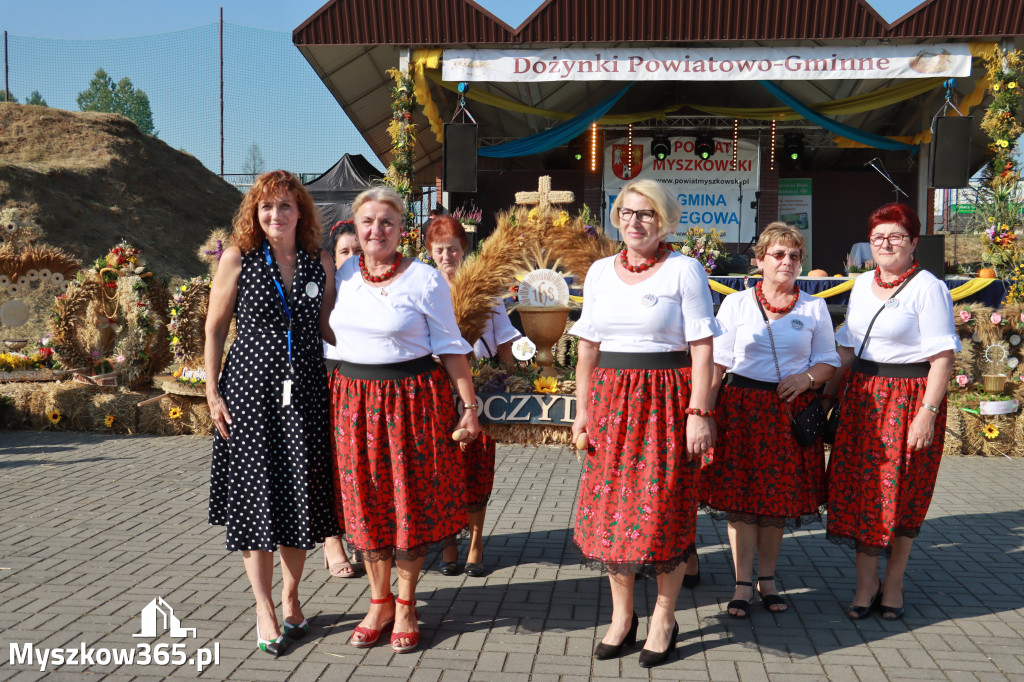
point(856, 134)
point(553, 137)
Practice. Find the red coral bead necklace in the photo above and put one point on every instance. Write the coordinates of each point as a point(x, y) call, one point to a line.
point(377, 279)
point(647, 264)
point(899, 280)
point(759, 292)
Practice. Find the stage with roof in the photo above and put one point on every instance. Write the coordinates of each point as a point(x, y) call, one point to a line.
point(843, 129)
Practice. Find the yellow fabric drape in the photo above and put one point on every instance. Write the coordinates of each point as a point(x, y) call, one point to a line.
point(426, 63)
point(849, 105)
point(969, 288)
point(422, 60)
point(978, 49)
point(834, 291)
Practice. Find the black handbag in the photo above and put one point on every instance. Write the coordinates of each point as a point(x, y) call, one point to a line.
point(809, 425)
point(832, 426)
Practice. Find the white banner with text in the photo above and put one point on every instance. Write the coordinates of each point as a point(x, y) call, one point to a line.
point(708, 64)
point(713, 192)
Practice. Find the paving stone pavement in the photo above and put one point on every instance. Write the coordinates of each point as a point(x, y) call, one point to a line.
point(93, 528)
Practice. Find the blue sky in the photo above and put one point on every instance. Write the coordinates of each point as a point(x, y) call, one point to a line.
point(97, 19)
point(272, 99)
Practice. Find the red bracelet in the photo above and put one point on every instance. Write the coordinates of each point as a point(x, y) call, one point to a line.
point(697, 412)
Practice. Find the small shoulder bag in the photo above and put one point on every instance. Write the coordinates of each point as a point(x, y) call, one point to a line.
point(809, 424)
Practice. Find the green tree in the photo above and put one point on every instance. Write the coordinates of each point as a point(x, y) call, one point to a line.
point(7, 96)
point(120, 98)
point(37, 99)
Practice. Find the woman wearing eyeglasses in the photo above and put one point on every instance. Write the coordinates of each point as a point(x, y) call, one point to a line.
point(777, 350)
point(647, 420)
point(898, 343)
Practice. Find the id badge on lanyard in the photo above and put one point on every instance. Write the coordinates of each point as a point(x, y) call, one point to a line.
point(286, 389)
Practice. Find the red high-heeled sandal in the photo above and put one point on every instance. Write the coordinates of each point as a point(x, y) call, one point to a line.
point(371, 636)
point(413, 637)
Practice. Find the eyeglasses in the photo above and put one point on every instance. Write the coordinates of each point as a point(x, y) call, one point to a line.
point(780, 256)
point(896, 238)
point(644, 215)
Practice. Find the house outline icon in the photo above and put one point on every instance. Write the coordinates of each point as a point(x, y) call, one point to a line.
point(151, 614)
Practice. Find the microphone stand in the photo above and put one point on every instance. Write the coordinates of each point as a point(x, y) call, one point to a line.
point(881, 171)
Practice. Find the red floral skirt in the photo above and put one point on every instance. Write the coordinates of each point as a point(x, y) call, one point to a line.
point(877, 488)
point(478, 458)
point(399, 474)
point(332, 379)
point(638, 495)
point(757, 472)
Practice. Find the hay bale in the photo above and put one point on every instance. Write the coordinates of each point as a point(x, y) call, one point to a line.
point(83, 407)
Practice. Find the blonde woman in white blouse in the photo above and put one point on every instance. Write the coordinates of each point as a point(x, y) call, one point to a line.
point(647, 413)
point(399, 473)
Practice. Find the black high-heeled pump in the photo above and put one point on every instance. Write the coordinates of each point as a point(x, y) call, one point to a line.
point(605, 651)
point(862, 612)
point(649, 659)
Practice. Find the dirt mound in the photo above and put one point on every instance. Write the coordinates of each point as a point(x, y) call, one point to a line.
point(91, 179)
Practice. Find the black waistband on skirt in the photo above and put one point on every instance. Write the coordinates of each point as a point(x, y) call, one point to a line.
point(668, 360)
point(910, 370)
point(331, 364)
point(389, 371)
point(740, 381)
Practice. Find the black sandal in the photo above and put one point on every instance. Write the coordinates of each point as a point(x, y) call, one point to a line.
point(740, 603)
point(854, 612)
point(890, 612)
point(770, 600)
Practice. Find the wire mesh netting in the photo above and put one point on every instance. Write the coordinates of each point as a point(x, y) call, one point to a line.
point(276, 109)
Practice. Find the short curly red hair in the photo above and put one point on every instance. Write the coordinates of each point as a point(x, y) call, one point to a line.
point(246, 232)
point(901, 214)
point(444, 227)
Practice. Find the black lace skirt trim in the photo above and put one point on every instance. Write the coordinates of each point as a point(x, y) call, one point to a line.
point(410, 554)
point(788, 522)
point(478, 505)
point(647, 569)
point(453, 540)
point(873, 550)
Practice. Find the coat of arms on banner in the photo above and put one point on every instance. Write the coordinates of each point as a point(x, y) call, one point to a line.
point(621, 165)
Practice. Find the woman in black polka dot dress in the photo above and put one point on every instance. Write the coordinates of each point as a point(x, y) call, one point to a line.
point(270, 484)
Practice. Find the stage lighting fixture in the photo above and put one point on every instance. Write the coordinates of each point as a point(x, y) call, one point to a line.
point(661, 146)
point(704, 145)
point(793, 144)
point(576, 150)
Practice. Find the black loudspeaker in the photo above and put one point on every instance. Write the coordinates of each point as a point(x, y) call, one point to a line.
point(931, 254)
point(950, 166)
point(458, 168)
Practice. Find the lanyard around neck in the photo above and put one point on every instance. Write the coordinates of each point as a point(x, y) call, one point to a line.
point(284, 299)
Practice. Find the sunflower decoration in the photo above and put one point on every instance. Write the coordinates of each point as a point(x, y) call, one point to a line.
point(174, 413)
point(108, 421)
point(545, 385)
point(990, 432)
point(54, 416)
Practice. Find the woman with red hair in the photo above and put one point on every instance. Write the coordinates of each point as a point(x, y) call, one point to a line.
point(447, 242)
point(897, 350)
point(270, 484)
